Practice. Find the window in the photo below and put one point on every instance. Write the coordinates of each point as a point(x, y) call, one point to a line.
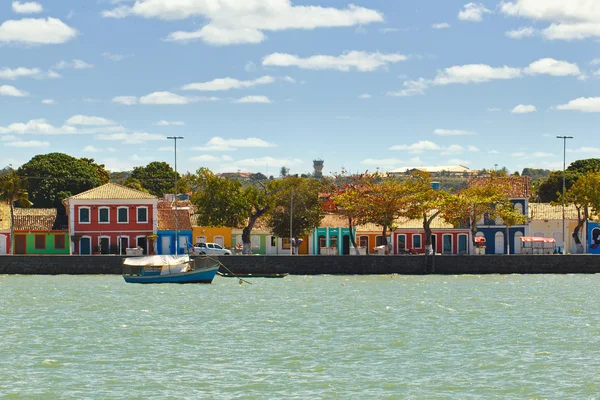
point(59, 241)
point(202, 239)
point(210, 245)
point(462, 244)
point(217, 247)
point(40, 242)
point(322, 242)
point(273, 241)
point(142, 215)
point(333, 241)
point(401, 242)
point(363, 241)
point(123, 215)
point(416, 240)
point(255, 242)
point(447, 244)
point(519, 208)
point(84, 215)
point(103, 215)
point(378, 241)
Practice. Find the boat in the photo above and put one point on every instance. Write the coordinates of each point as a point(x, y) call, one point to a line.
point(169, 269)
point(232, 275)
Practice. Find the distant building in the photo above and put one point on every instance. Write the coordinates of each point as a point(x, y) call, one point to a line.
point(318, 167)
point(436, 170)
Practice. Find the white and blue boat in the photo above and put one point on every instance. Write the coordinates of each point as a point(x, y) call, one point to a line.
point(169, 269)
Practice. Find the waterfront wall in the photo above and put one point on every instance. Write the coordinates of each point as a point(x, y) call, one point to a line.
point(316, 265)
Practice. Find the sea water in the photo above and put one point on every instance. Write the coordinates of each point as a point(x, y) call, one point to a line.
point(301, 337)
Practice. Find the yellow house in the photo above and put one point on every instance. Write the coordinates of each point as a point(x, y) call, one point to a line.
point(4, 228)
point(545, 220)
point(203, 234)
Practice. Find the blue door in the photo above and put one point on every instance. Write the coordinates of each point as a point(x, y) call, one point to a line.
point(85, 246)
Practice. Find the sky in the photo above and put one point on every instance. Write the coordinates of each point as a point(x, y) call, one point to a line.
point(255, 85)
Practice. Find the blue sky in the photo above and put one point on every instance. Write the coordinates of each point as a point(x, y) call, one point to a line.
point(254, 85)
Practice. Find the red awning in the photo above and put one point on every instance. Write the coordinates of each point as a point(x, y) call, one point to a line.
point(537, 239)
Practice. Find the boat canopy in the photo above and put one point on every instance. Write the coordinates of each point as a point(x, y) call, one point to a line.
point(527, 239)
point(165, 260)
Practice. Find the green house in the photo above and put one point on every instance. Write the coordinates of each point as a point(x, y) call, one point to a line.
point(41, 231)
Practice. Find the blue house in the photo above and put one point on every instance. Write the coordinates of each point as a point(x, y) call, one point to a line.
point(331, 237)
point(172, 223)
point(494, 231)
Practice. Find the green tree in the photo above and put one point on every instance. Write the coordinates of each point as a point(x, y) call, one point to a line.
point(55, 176)
point(551, 189)
point(295, 199)
point(134, 183)
point(13, 189)
point(585, 166)
point(158, 177)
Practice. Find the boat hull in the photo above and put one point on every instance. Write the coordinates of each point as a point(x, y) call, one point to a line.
point(201, 275)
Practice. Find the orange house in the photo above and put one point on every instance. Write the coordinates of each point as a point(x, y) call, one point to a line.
point(204, 234)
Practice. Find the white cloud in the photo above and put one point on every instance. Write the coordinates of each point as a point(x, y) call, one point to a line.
point(220, 144)
point(126, 100)
point(28, 144)
point(353, 60)
point(473, 12)
point(164, 98)
point(228, 83)
point(91, 149)
point(518, 154)
point(494, 151)
point(365, 96)
point(452, 132)
point(20, 72)
point(473, 148)
point(250, 66)
point(474, 73)
point(37, 126)
point(389, 30)
point(88, 120)
point(27, 8)
point(523, 109)
point(383, 162)
point(521, 33)
point(163, 122)
point(494, 109)
point(36, 31)
point(411, 88)
point(550, 66)
point(569, 20)
point(114, 57)
point(53, 75)
point(7, 90)
point(452, 149)
point(75, 64)
point(254, 99)
point(209, 158)
point(261, 162)
point(585, 104)
point(6, 138)
point(48, 101)
point(442, 25)
point(131, 138)
point(595, 61)
point(418, 147)
point(240, 22)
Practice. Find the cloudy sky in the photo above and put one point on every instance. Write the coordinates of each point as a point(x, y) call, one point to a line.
point(254, 85)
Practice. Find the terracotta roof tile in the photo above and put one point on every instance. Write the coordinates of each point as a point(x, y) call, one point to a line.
point(518, 185)
point(546, 211)
point(166, 220)
point(112, 191)
point(335, 221)
point(39, 219)
point(163, 204)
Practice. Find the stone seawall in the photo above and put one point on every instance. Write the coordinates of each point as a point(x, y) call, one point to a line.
point(334, 265)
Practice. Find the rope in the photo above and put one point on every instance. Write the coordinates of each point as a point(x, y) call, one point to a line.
point(228, 270)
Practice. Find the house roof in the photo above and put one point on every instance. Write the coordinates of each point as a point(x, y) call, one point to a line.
point(335, 221)
point(164, 204)
point(546, 211)
point(434, 169)
point(112, 191)
point(166, 220)
point(518, 186)
point(4, 217)
point(39, 219)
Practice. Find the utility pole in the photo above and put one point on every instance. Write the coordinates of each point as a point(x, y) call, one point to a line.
point(564, 138)
point(175, 138)
point(291, 218)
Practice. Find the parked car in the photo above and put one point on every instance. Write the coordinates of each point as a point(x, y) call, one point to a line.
point(210, 249)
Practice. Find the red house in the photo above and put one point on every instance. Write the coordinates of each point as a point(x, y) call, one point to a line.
point(111, 218)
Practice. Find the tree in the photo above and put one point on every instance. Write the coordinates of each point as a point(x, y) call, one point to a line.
point(551, 188)
point(284, 172)
point(510, 217)
point(585, 166)
point(424, 203)
point(295, 199)
point(134, 183)
point(56, 176)
point(536, 173)
point(13, 190)
point(158, 177)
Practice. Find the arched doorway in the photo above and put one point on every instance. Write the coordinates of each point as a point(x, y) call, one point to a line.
point(499, 243)
point(517, 242)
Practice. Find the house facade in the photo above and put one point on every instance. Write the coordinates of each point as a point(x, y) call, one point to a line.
point(174, 225)
point(40, 231)
point(4, 228)
point(111, 218)
point(545, 220)
point(220, 236)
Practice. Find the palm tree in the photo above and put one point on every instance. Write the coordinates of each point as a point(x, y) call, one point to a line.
point(13, 189)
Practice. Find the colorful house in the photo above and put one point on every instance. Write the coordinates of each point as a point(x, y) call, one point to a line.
point(174, 224)
point(494, 231)
point(445, 238)
point(593, 241)
point(262, 241)
point(220, 236)
point(545, 220)
point(40, 231)
point(332, 237)
point(110, 219)
point(4, 228)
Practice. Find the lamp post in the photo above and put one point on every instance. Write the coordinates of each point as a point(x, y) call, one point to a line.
point(564, 138)
point(175, 138)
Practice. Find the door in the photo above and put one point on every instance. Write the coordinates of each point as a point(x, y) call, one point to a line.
point(434, 243)
point(517, 243)
point(20, 244)
point(447, 244)
point(85, 245)
point(200, 239)
point(346, 245)
point(499, 243)
point(271, 245)
point(462, 244)
point(104, 245)
point(143, 243)
point(220, 240)
point(165, 245)
point(2, 244)
point(124, 245)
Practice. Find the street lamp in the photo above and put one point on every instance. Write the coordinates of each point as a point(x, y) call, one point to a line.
point(564, 138)
point(175, 138)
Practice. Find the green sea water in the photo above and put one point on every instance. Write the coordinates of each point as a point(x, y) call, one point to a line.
point(332, 337)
